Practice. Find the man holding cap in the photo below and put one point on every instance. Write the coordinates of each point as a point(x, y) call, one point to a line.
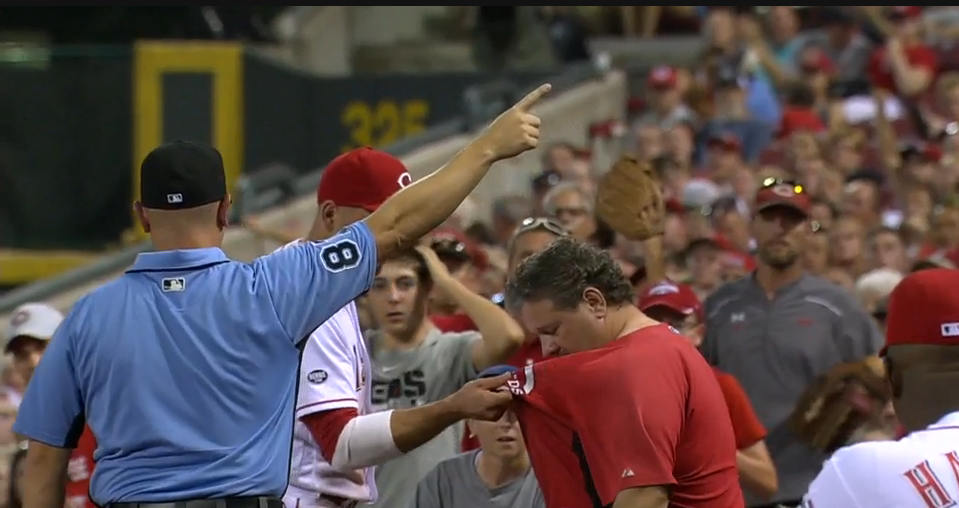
point(186, 365)
point(338, 438)
point(922, 363)
point(28, 333)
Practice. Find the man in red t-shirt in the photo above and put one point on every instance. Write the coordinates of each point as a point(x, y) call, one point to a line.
point(629, 414)
point(29, 331)
point(903, 65)
point(678, 306)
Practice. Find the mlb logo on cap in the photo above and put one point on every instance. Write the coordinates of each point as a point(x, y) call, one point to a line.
point(950, 329)
point(924, 309)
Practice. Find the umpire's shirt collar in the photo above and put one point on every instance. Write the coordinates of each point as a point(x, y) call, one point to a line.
point(178, 260)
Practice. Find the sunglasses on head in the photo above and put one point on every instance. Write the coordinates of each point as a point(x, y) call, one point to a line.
point(772, 181)
point(534, 223)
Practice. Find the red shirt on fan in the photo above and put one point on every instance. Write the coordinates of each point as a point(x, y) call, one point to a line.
point(79, 470)
point(531, 351)
point(880, 73)
point(643, 410)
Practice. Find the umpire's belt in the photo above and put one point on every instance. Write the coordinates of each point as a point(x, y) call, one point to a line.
point(227, 502)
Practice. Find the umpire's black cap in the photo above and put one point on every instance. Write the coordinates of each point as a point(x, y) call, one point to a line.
point(180, 175)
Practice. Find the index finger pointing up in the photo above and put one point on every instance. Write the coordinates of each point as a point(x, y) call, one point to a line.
point(533, 97)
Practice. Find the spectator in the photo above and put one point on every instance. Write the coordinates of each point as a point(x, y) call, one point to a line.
point(508, 212)
point(567, 33)
point(678, 306)
point(815, 258)
point(888, 250)
point(414, 363)
point(573, 208)
point(842, 42)
point(874, 286)
point(734, 116)
point(666, 106)
point(847, 245)
point(796, 316)
point(903, 64)
point(649, 141)
point(497, 475)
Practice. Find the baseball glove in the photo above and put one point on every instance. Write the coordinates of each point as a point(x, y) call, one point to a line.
point(630, 200)
point(848, 397)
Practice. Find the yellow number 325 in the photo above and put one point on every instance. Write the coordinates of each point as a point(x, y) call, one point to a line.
point(381, 123)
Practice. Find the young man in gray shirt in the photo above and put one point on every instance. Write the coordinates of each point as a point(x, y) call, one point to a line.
point(498, 475)
point(414, 363)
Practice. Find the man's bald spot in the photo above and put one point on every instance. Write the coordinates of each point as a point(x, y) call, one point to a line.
point(198, 215)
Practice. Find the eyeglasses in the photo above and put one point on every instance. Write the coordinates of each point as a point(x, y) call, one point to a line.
point(534, 223)
point(795, 187)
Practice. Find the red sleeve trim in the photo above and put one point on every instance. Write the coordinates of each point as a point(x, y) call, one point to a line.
point(326, 427)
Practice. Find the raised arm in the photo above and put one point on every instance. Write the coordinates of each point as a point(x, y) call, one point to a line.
point(424, 205)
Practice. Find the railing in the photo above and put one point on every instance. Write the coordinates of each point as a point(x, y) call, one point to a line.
point(277, 185)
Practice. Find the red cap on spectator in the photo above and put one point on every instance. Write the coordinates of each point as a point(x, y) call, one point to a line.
point(663, 76)
point(677, 297)
point(799, 119)
point(780, 193)
point(905, 11)
point(674, 206)
point(725, 140)
point(924, 309)
point(928, 151)
point(362, 178)
point(816, 60)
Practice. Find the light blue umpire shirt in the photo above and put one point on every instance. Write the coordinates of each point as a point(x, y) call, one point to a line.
point(185, 368)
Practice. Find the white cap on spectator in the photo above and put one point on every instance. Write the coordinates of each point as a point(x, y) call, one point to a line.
point(699, 193)
point(35, 320)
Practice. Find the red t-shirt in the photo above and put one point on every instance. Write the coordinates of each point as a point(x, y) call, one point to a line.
point(531, 351)
point(643, 410)
point(746, 425)
point(880, 73)
point(79, 470)
point(453, 323)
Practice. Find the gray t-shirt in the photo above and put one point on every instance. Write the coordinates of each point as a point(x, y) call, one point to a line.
point(456, 484)
point(404, 379)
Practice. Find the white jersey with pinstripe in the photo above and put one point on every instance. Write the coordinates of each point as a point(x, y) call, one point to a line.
point(334, 374)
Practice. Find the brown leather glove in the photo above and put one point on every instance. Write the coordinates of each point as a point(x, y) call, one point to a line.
point(630, 200)
point(838, 403)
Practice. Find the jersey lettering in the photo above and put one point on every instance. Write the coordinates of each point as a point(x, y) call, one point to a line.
point(340, 256)
point(929, 487)
point(407, 390)
point(953, 459)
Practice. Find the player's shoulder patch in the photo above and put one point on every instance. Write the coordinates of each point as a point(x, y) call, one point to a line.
point(317, 376)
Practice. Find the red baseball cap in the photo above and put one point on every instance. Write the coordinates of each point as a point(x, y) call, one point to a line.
point(776, 192)
point(662, 77)
point(677, 297)
point(924, 309)
point(362, 178)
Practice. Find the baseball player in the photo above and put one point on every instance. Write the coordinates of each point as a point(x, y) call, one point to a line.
point(186, 364)
point(335, 373)
point(921, 470)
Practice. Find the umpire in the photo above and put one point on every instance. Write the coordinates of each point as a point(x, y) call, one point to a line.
point(186, 365)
